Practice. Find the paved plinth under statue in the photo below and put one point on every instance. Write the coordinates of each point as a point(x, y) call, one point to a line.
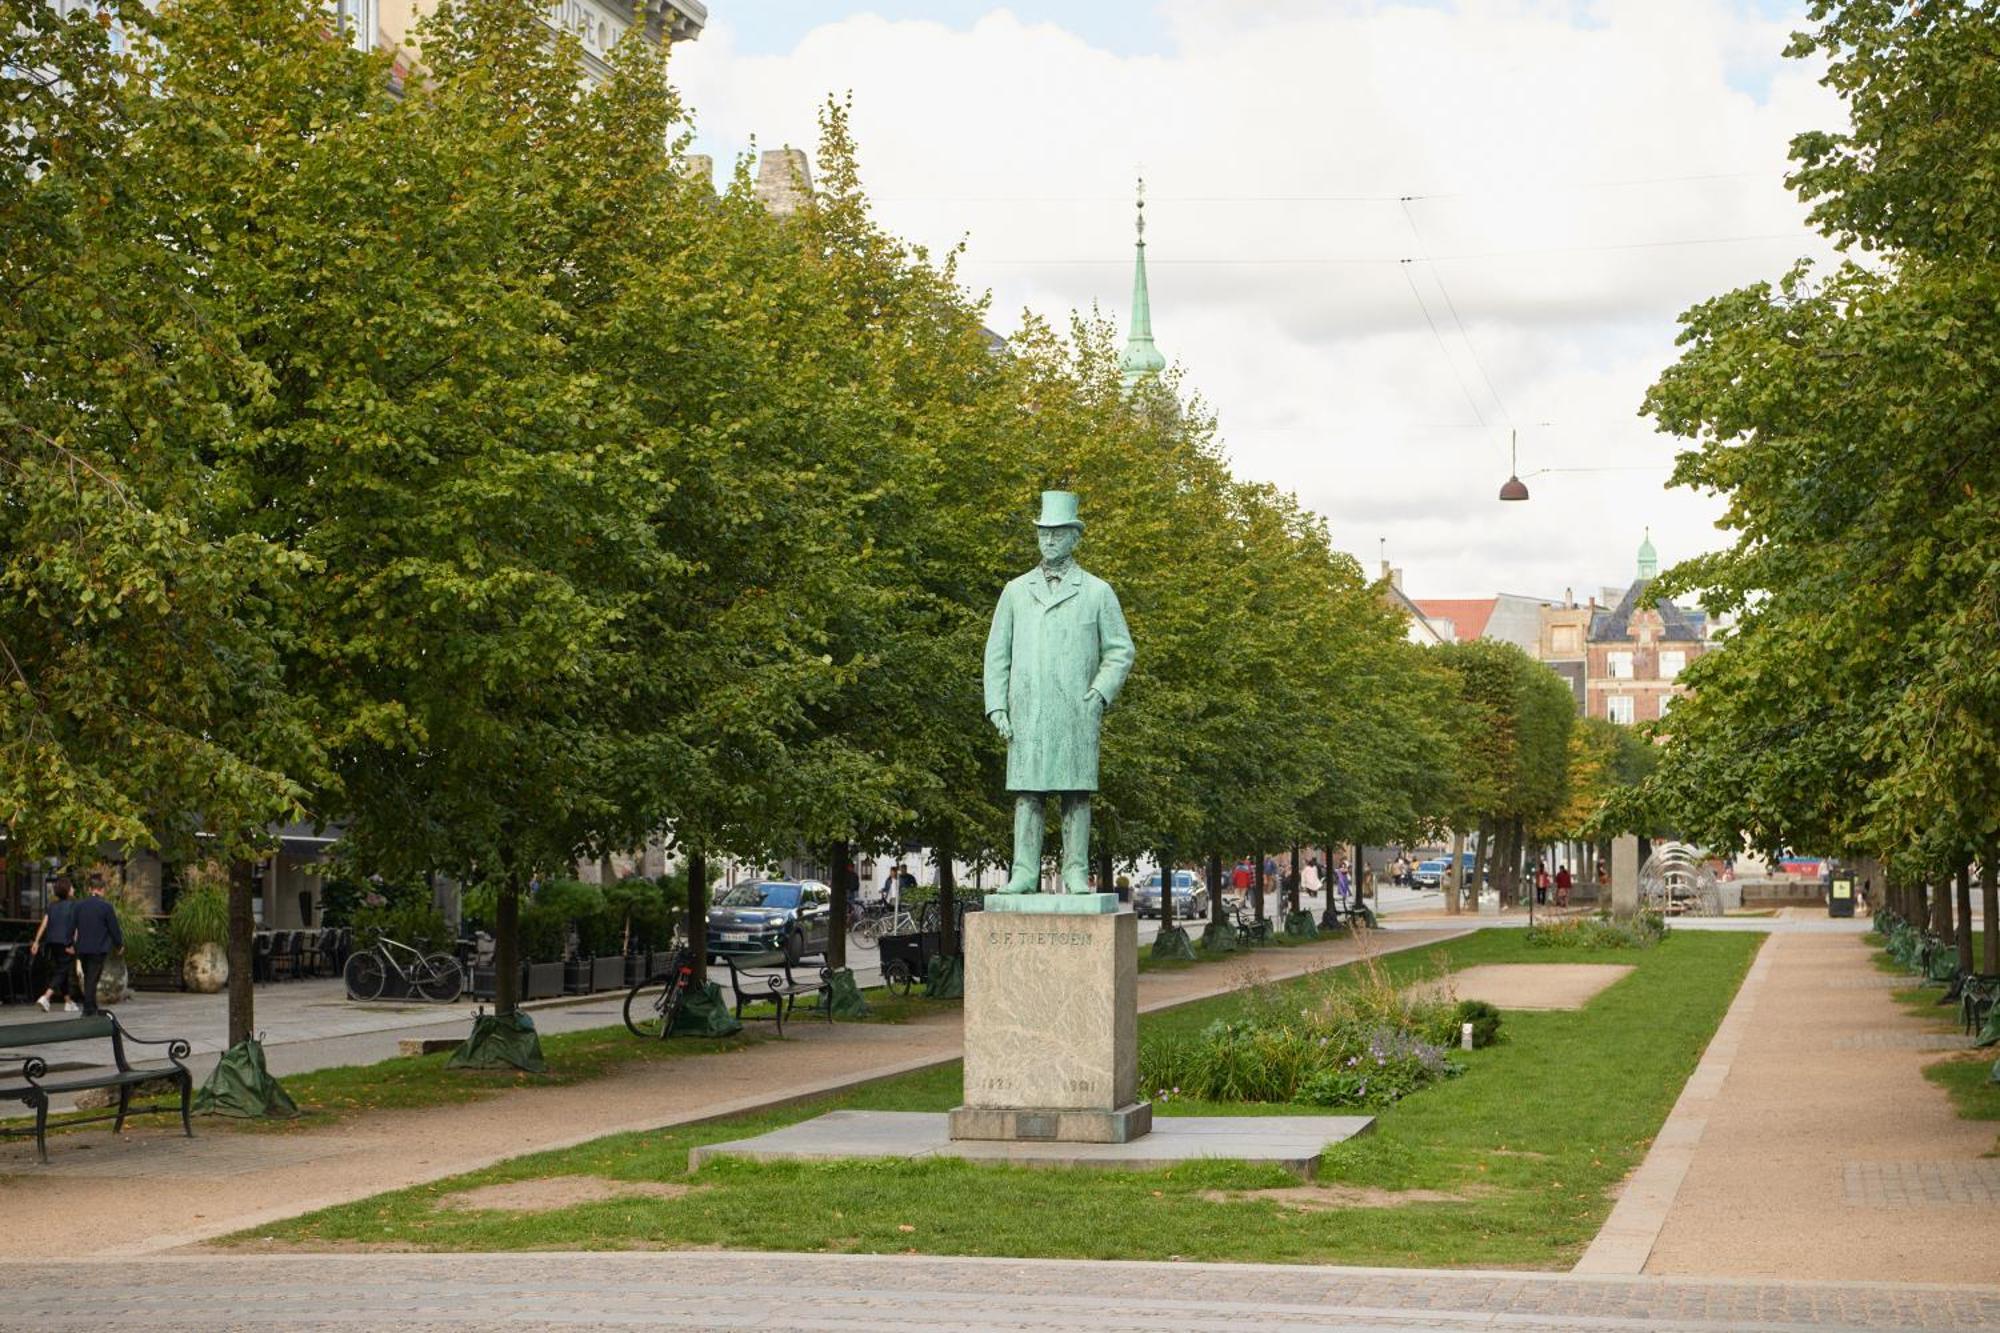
point(1293, 1142)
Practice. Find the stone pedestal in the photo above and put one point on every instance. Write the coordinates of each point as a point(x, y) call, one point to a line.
point(1052, 1028)
point(1625, 877)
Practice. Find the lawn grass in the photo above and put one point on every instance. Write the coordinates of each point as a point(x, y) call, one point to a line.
point(1524, 1150)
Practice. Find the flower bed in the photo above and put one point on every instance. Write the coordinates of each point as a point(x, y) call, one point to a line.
point(1359, 1040)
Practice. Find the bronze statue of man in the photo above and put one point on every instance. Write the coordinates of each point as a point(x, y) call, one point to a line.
point(1055, 658)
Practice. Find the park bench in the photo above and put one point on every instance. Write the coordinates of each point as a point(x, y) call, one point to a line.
point(1249, 926)
point(1341, 912)
point(759, 977)
point(31, 1085)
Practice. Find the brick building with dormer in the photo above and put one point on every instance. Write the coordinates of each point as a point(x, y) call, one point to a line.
point(1635, 652)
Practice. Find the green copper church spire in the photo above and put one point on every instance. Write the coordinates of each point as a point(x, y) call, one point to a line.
point(1649, 559)
point(1141, 358)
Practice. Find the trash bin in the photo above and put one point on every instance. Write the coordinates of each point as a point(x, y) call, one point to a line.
point(1840, 896)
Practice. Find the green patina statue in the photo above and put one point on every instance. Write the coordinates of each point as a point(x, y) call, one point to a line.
point(1055, 658)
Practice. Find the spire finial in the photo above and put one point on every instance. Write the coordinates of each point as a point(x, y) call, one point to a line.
point(1141, 358)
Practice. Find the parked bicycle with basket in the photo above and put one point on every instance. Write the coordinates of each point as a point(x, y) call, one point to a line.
point(435, 977)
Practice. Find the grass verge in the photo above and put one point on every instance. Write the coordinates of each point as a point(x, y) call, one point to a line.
point(1967, 1077)
point(1510, 1165)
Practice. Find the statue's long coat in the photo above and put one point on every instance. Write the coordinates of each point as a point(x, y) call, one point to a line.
point(1047, 650)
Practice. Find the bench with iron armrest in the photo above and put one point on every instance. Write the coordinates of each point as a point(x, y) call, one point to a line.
point(29, 1083)
point(1248, 924)
point(1340, 911)
point(1978, 992)
point(759, 977)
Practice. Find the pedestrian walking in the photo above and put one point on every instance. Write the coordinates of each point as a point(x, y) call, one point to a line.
point(1309, 880)
point(1542, 882)
point(51, 944)
point(93, 934)
point(1239, 878)
point(1563, 882)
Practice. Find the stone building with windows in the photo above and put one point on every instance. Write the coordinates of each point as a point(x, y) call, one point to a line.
point(1636, 650)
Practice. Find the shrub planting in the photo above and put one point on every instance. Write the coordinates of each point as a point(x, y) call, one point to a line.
point(1599, 932)
point(1353, 1039)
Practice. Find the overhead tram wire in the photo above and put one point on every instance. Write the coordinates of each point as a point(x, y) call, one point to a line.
point(1443, 350)
point(1316, 261)
point(1423, 248)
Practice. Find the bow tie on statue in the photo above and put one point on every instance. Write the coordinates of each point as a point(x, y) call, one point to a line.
point(1056, 572)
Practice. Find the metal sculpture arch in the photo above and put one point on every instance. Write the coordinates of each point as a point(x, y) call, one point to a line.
point(1677, 881)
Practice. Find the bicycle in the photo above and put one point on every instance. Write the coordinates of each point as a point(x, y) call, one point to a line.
point(436, 977)
point(872, 928)
point(652, 1006)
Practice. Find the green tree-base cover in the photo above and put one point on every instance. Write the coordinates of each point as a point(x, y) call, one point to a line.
point(241, 1086)
point(1300, 925)
point(1173, 944)
point(843, 996)
point(1220, 937)
point(944, 978)
point(704, 1013)
point(501, 1041)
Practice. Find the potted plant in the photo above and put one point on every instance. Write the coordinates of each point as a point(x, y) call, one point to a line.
point(199, 929)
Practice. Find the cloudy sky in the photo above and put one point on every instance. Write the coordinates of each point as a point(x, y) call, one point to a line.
point(1380, 235)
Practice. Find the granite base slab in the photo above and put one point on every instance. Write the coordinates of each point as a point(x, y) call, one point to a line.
point(1292, 1142)
point(1054, 904)
point(1014, 1124)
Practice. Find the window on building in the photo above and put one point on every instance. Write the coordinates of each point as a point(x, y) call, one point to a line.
point(1671, 662)
point(1619, 665)
point(355, 20)
point(1565, 639)
point(1666, 702)
point(1619, 707)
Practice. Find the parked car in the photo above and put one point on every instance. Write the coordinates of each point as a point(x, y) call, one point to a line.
point(775, 916)
point(1190, 895)
point(1430, 874)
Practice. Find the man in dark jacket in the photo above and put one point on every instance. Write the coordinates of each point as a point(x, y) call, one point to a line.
point(93, 935)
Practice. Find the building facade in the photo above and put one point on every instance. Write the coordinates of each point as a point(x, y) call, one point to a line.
point(1636, 651)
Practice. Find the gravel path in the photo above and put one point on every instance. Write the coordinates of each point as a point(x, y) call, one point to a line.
point(1822, 1156)
point(150, 1190)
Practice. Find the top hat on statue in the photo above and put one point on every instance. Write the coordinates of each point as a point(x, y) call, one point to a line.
point(1058, 510)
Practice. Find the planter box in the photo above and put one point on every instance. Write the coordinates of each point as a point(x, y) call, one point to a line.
point(635, 968)
point(608, 973)
point(544, 981)
point(576, 977)
point(164, 979)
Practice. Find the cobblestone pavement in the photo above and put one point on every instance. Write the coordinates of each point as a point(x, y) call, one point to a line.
point(851, 1292)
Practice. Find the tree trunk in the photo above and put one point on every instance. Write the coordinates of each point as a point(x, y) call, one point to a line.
point(1360, 869)
point(507, 946)
point(1298, 876)
point(1453, 873)
point(1481, 856)
point(1941, 910)
point(1989, 900)
point(1166, 891)
point(947, 904)
point(1215, 886)
point(697, 911)
point(1964, 888)
point(836, 926)
point(242, 952)
point(1503, 857)
point(1257, 886)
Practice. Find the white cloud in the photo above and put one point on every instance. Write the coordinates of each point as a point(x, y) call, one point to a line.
point(1565, 155)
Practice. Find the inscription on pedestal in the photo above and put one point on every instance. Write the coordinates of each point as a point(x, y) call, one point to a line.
point(1051, 1012)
